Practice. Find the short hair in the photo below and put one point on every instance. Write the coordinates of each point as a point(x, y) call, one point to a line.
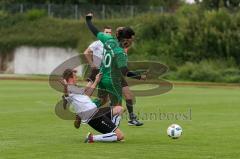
point(68, 73)
point(107, 27)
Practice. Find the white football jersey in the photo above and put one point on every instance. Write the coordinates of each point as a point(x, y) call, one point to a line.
point(81, 103)
point(97, 48)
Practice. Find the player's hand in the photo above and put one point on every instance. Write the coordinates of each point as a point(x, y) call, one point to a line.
point(144, 75)
point(98, 77)
point(93, 66)
point(89, 16)
point(65, 102)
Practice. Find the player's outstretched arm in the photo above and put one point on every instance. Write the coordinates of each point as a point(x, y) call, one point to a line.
point(90, 25)
point(89, 90)
point(132, 74)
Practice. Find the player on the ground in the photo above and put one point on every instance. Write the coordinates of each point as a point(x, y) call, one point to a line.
point(94, 56)
point(114, 63)
point(104, 120)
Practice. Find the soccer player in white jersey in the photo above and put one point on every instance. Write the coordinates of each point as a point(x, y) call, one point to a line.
point(94, 56)
point(104, 120)
point(94, 53)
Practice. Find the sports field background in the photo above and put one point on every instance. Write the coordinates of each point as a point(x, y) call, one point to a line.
point(29, 127)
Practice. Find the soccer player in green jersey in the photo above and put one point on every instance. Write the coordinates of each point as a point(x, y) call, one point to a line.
point(114, 64)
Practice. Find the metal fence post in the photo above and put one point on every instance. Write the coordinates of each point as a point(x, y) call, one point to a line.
point(21, 8)
point(103, 11)
point(76, 11)
point(161, 9)
point(49, 9)
point(132, 10)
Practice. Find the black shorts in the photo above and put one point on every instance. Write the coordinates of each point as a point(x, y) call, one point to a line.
point(102, 122)
point(92, 75)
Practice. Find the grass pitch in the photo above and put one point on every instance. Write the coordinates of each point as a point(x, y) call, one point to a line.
point(209, 117)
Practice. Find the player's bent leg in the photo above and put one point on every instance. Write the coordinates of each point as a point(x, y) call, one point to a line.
point(117, 110)
point(129, 104)
point(108, 137)
point(127, 93)
point(104, 125)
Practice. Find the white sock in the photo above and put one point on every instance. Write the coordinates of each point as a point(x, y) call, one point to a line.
point(116, 119)
point(109, 137)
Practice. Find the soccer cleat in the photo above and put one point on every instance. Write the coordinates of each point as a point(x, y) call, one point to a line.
point(89, 138)
point(134, 122)
point(77, 122)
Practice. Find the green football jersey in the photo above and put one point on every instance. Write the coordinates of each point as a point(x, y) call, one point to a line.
point(114, 57)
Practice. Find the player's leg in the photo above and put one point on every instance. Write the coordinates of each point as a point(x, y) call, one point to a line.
point(103, 124)
point(117, 135)
point(113, 113)
point(117, 112)
point(115, 93)
point(129, 104)
point(102, 95)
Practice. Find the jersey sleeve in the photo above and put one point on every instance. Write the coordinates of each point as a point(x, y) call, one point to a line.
point(121, 60)
point(93, 46)
point(103, 37)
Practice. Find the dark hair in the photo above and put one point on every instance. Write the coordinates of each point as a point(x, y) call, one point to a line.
point(125, 33)
point(68, 73)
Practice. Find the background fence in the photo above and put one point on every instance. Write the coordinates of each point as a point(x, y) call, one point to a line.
point(79, 11)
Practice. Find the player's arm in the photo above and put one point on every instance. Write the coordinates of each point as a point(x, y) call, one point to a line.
point(125, 71)
point(100, 35)
point(122, 65)
point(65, 91)
point(90, 25)
point(88, 53)
point(89, 90)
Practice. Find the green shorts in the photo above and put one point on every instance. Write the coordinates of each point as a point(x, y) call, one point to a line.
point(111, 87)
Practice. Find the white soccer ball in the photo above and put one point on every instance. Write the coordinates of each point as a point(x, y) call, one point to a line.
point(174, 131)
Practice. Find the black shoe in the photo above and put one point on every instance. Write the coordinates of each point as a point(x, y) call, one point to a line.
point(134, 122)
point(77, 122)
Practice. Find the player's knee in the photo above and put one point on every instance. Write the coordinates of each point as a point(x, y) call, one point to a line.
point(117, 110)
point(127, 93)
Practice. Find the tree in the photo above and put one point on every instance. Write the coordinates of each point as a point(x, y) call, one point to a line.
point(216, 4)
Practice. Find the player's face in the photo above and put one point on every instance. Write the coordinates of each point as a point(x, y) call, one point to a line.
point(75, 76)
point(128, 42)
point(108, 31)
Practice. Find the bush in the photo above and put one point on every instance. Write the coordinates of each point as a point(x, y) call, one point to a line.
point(35, 14)
point(196, 44)
point(211, 71)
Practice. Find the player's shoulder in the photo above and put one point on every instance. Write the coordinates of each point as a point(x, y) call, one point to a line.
point(103, 36)
point(96, 43)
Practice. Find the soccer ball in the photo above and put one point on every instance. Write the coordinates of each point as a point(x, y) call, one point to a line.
point(174, 131)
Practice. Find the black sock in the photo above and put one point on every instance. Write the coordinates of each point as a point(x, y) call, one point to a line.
point(129, 104)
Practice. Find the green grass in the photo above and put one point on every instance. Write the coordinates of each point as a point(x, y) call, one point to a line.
point(29, 127)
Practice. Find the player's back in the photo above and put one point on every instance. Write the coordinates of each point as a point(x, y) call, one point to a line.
point(114, 58)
